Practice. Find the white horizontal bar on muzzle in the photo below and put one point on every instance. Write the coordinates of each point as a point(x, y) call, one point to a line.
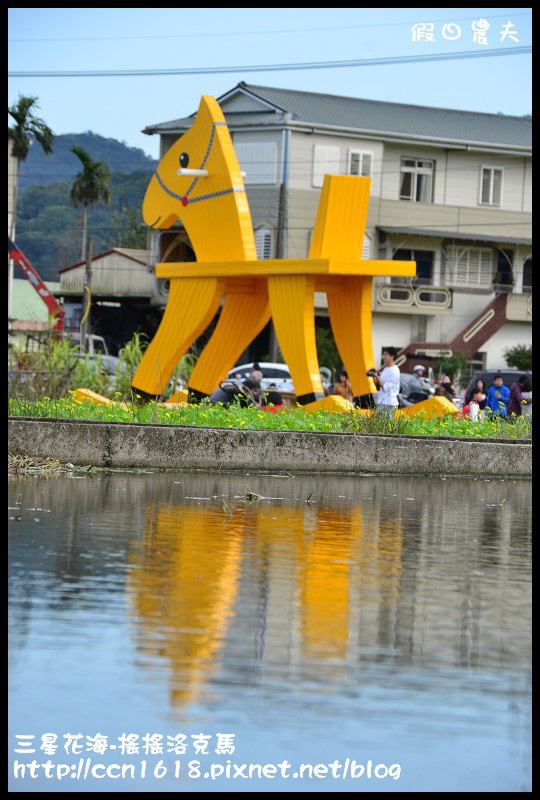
point(198, 173)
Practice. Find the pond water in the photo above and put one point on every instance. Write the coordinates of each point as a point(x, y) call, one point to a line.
point(343, 634)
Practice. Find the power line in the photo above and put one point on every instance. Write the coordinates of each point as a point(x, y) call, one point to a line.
point(365, 62)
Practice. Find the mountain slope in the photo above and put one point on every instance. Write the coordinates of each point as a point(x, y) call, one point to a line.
point(63, 165)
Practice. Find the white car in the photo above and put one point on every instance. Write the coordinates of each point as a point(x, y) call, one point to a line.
point(275, 376)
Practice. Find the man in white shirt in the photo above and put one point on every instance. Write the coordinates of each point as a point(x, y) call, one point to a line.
point(387, 382)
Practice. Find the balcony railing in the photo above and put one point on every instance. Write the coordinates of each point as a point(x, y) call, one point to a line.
point(410, 282)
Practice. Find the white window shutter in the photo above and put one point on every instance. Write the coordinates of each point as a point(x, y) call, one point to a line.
point(366, 249)
point(497, 187)
point(485, 189)
point(360, 163)
point(258, 160)
point(485, 269)
point(263, 243)
point(491, 186)
point(325, 162)
point(473, 266)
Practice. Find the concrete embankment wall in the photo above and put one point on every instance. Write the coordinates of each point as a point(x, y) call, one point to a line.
point(118, 445)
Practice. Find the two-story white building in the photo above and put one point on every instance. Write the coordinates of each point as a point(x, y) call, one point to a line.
point(450, 190)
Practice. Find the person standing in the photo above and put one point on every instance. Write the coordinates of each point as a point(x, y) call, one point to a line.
point(498, 397)
point(517, 402)
point(449, 386)
point(387, 382)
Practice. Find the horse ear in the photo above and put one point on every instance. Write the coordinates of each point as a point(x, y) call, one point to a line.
point(208, 114)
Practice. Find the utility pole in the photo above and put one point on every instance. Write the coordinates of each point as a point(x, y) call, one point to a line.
point(86, 294)
point(280, 253)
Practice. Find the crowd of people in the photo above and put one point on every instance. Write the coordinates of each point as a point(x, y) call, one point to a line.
point(480, 402)
point(499, 401)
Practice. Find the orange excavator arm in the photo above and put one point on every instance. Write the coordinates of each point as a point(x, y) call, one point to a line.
point(55, 309)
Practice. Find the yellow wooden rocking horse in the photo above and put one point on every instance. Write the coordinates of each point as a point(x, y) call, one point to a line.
point(199, 182)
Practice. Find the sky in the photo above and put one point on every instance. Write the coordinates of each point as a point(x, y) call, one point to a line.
point(108, 39)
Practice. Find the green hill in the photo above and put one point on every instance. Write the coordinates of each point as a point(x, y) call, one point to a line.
point(63, 165)
point(49, 229)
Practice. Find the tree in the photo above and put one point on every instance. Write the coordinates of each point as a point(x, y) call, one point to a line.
point(519, 357)
point(27, 127)
point(455, 366)
point(129, 229)
point(91, 185)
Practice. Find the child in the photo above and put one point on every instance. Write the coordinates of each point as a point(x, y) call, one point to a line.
point(498, 397)
point(472, 410)
point(273, 402)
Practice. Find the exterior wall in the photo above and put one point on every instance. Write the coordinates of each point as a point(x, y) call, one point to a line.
point(302, 210)
point(465, 307)
point(519, 308)
point(390, 330)
point(264, 207)
point(511, 334)
point(242, 102)
point(456, 179)
point(489, 223)
point(166, 142)
point(112, 275)
point(527, 185)
point(463, 180)
point(301, 157)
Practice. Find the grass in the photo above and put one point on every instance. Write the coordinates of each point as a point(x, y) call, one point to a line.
point(254, 419)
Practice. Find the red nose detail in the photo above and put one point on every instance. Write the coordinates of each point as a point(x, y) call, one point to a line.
point(185, 201)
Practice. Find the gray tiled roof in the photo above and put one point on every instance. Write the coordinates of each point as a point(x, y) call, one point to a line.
point(237, 118)
point(376, 116)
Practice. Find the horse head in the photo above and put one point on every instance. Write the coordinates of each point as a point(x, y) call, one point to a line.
point(198, 181)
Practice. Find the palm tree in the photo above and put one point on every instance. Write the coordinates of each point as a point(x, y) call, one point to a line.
point(91, 185)
point(21, 135)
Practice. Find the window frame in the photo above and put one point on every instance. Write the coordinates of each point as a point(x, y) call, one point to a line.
point(491, 203)
point(249, 160)
point(266, 234)
point(362, 153)
point(415, 171)
point(458, 254)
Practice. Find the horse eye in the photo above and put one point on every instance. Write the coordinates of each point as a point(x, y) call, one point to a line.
point(184, 160)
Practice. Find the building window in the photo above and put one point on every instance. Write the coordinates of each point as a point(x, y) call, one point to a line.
point(417, 180)
point(504, 274)
point(424, 264)
point(263, 242)
point(325, 162)
point(527, 275)
point(490, 186)
point(471, 266)
point(360, 163)
point(258, 160)
point(367, 247)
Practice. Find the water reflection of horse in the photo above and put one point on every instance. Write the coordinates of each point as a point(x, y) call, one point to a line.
point(201, 571)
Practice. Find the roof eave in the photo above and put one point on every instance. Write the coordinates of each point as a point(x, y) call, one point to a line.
point(392, 136)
